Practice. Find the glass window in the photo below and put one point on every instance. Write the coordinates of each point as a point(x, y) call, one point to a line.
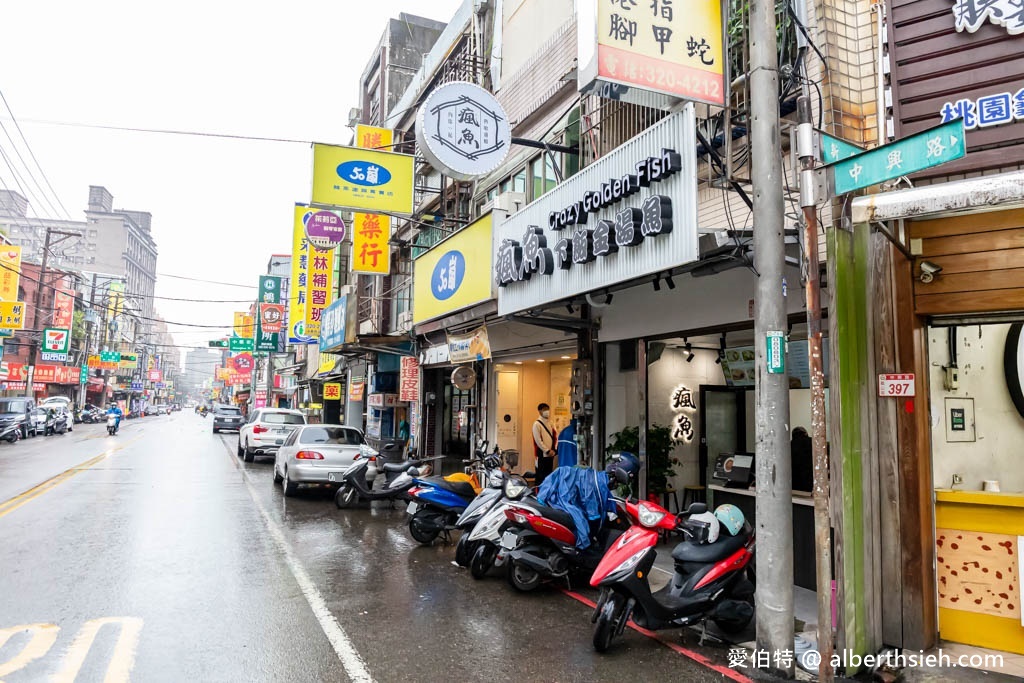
point(536, 179)
point(291, 438)
point(282, 419)
point(228, 410)
point(519, 181)
point(14, 406)
point(331, 435)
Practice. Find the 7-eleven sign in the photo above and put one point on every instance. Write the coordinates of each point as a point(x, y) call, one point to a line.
point(56, 342)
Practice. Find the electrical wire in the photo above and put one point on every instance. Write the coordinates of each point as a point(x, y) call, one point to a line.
point(28, 147)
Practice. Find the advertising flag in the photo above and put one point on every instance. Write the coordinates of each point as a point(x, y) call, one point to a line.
point(370, 251)
point(10, 272)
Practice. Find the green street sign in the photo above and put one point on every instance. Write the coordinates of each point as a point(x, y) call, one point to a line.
point(218, 344)
point(83, 376)
point(775, 348)
point(240, 344)
point(920, 151)
point(110, 356)
point(834, 149)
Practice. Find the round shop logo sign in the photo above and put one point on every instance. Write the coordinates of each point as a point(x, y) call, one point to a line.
point(325, 230)
point(448, 275)
point(463, 131)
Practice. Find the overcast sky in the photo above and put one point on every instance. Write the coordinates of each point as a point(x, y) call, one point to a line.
point(220, 207)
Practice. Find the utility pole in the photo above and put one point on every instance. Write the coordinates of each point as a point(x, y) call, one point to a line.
point(37, 304)
point(774, 559)
point(822, 525)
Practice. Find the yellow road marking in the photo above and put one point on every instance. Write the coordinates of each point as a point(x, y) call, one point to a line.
point(122, 659)
point(43, 638)
point(12, 504)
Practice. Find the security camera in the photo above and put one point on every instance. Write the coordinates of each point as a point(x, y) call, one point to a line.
point(928, 271)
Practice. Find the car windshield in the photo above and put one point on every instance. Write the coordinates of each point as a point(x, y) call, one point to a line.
point(331, 435)
point(282, 419)
point(13, 406)
point(229, 411)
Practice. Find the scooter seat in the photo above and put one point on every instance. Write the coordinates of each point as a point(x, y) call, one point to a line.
point(396, 466)
point(557, 516)
point(710, 552)
point(459, 488)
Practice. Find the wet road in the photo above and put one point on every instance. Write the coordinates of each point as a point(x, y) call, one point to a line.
point(161, 556)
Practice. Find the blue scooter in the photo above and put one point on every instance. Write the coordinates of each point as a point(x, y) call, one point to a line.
point(438, 502)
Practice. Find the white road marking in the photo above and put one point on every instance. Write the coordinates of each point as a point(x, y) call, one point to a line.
point(354, 665)
point(122, 659)
point(43, 638)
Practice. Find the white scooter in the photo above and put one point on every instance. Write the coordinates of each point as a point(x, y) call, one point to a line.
point(483, 541)
point(111, 424)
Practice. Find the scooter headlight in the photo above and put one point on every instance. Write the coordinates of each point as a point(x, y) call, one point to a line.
point(367, 452)
point(515, 488)
point(649, 516)
point(628, 566)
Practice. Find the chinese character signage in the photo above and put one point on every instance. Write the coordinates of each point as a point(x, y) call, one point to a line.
point(462, 130)
point(242, 363)
point(156, 376)
point(327, 363)
point(371, 253)
point(270, 289)
point(243, 324)
point(986, 110)
point(683, 407)
point(669, 47)
point(12, 315)
point(55, 344)
point(362, 179)
point(319, 289)
point(355, 391)
point(332, 391)
point(63, 308)
point(371, 137)
point(473, 345)
point(409, 380)
point(301, 250)
point(10, 272)
point(971, 14)
point(271, 318)
point(325, 229)
point(240, 344)
point(332, 325)
point(454, 274)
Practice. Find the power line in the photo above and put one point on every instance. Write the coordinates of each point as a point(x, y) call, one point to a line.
point(210, 282)
point(32, 154)
point(169, 131)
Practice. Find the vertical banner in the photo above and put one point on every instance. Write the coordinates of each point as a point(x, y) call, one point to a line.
point(371, 253)
point(243, 325)
point(63, 308)
point(319, 290)
point(10, 272)
point(270, 314)
point(299, 280)
point(409, 380)
point(371, 137)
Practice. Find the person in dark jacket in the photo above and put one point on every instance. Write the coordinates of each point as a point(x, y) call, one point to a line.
point(802, 453)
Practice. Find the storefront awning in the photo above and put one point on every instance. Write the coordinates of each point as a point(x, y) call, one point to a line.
point(478, 312)
point(398, 346)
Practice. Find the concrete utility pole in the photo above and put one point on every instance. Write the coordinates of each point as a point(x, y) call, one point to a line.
point(37, 304)
point(774, 596)
point(822, 525)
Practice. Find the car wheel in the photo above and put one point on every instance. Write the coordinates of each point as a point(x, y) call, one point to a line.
point(277, 475)
point(240, 449)
point(248, 454)
point(215, 430)
point(289, 486)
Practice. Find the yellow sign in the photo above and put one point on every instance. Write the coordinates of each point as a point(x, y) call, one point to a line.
point(116, 290)
point(12, 315)
point(10, 272)
point(371, 253)
point(244, 325)
point(454, 274)
point(327, 361)
point(371, 137)
point(672, 48)
point(332, 391)
point(362, 179)
point(319, 289)
point(222, 374)
point(300, 276)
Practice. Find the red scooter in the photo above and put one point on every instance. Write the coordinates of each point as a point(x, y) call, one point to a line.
point(709, 581)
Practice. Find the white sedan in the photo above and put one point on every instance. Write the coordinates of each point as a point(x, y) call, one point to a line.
point(318, 454)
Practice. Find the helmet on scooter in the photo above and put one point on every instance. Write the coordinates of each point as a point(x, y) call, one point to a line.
point(622, 466)
point(703, 527)
point(730, 517)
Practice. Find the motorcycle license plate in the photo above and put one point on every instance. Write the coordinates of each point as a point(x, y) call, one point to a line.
point(509, 540)
point(413, 507)
point(335, 476)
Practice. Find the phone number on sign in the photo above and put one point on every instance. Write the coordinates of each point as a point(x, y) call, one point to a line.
point(670, 78)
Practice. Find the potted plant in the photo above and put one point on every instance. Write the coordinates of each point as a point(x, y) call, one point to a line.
point(659, 453)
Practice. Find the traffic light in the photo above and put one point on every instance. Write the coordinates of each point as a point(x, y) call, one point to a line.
point(219, 344)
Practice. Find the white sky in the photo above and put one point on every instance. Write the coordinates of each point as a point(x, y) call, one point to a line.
point(220, 207)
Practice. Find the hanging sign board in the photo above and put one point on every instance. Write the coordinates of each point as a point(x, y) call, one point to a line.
point(325, 230)
point(462, 130)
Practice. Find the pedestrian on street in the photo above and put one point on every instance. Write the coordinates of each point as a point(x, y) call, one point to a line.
point(544, 443)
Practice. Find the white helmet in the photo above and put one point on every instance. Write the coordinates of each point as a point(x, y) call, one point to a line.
point(705, 526)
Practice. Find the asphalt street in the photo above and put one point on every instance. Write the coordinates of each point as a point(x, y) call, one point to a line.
point(158, 555)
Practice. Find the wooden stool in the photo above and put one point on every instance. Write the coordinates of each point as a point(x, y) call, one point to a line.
point(693, 494)
point(665, 499)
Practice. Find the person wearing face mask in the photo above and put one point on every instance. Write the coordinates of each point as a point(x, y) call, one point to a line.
point(544, 443)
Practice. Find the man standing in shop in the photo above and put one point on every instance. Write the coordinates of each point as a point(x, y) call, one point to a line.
point(544, 443)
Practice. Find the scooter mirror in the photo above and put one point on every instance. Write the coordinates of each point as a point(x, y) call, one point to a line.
point(696, 508)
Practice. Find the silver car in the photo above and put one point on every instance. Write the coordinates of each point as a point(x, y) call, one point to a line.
point(318, 454)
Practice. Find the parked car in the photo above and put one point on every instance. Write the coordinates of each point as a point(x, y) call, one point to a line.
point(226, 417)
point(17, 409)
point(54, 401)
point(265, 431)
point(318, 454)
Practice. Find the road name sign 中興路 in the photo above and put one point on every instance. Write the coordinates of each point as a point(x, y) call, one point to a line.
point(240, 344)
point(912, 154)
point(835, 149)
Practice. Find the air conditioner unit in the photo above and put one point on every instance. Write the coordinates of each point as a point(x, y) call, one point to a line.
point(405, 321)
point(354, 114)
point(509, 202)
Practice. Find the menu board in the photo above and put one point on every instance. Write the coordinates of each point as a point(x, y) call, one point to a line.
point(740, 368)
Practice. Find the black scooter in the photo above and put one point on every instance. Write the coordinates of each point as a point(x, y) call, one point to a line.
point(398, 478)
